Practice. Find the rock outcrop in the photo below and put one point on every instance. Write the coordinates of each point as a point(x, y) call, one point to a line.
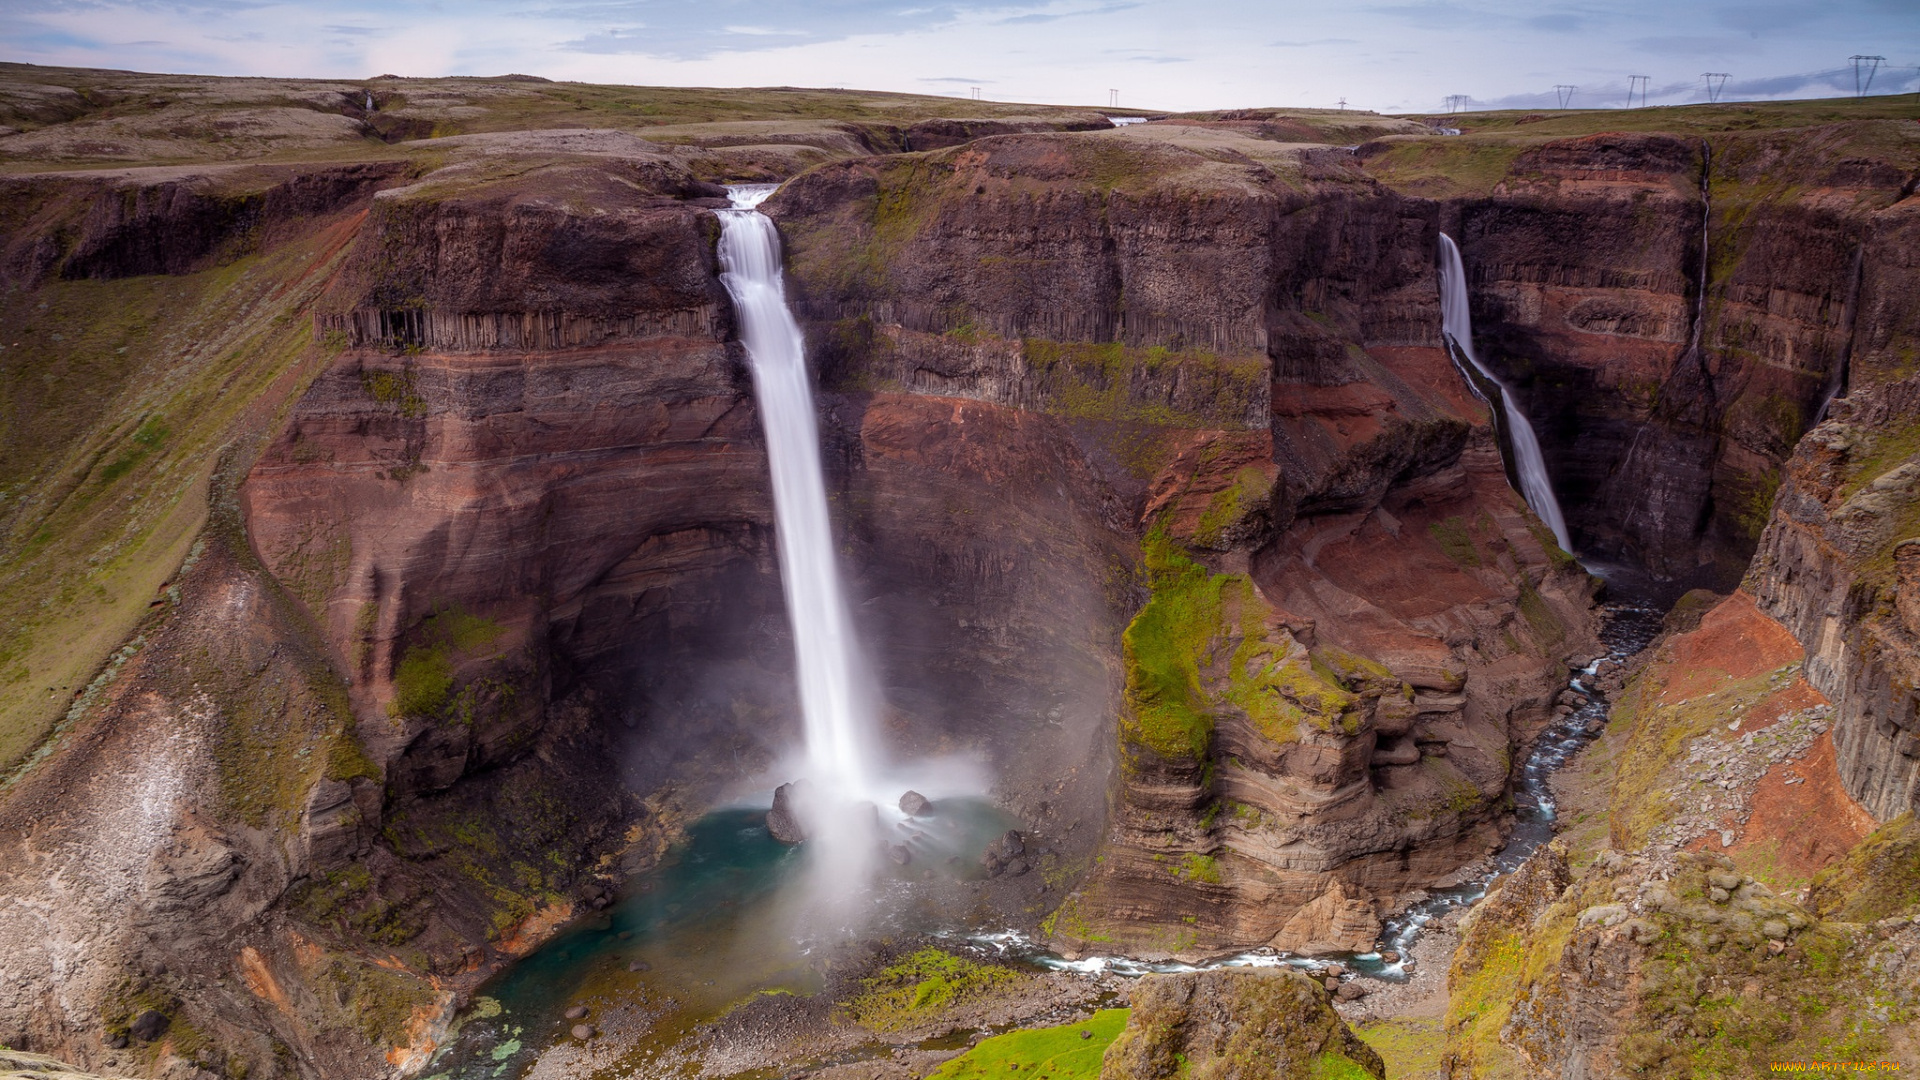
point(1236, 1025)
point(1676, 935)
point(1840, 567)
point(1692, 969)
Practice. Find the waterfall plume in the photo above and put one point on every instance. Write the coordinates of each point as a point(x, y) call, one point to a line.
point(1457, 324)
point(837, 705)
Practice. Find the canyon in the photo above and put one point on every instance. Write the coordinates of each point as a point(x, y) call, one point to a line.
point(391, 573)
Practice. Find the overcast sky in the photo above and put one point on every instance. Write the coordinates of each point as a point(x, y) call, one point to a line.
point(1394, 56)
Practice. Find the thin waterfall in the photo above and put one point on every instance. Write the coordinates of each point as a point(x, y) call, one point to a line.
point(1837, 382)
point(1456, 322)
point(837, 705)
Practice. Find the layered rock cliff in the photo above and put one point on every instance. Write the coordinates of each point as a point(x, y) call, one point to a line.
point(1158, 494)
point(1350, 620)
point(1840, 566)
point(1676, 311)
point(1721, 901)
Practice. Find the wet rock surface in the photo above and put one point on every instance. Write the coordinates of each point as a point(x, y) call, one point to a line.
point(783, 820)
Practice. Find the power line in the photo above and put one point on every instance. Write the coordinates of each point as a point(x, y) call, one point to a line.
point(1714, 88)
point(1868, 64)
point(1565, 92)
point(1637, 82)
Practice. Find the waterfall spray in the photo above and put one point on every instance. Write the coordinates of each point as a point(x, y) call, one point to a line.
point(837, 705)
point(1456, 323)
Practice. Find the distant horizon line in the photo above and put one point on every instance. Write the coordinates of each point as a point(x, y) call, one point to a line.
point(1468, 106)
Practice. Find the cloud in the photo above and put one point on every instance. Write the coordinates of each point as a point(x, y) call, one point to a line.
point(1558, 24)
point(1401, 54)
point(1434, 16)
point(1056, 16)
point(1139, 56)
point(1768, 18)
point(1690, 45)
point(681, 31)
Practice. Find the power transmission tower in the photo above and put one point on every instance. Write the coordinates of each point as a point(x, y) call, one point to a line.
point(1456, 103)
point(1713, 87)
point(1867, 65)
point(1343, 104)
point(1637, 82)
point(1113, 99)
point(976, 92)
point(1565, 92)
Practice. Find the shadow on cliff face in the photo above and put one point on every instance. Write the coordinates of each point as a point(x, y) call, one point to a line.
point(1245, 371)
point(983, 577)
point(538, 540)
point(1675, 314)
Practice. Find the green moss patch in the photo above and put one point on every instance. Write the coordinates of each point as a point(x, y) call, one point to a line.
point(375, 1001)
point(1201, 645)
point(1230, 505)
point(1066, 1052)
point(1455, 541)
point(1204, 868)
point(346, 901)
point(1413, 1048)
point(1166, 646)
point(1109, 381)
point(1878, 879)
point(920, 986)
point(423, 680)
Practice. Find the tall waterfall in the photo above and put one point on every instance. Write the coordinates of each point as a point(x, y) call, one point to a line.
point(837, 705)
point(1457, 323)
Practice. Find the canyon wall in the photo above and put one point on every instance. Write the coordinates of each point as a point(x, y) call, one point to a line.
point(1159, 495)
point(1840, 566)
point(1675, 312)
point(1718, 901)
point(496, 610)
point(1350, 620)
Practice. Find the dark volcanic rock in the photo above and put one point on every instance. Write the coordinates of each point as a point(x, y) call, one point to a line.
point(149, 1025)
point(914, 804)
point(783, 821)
